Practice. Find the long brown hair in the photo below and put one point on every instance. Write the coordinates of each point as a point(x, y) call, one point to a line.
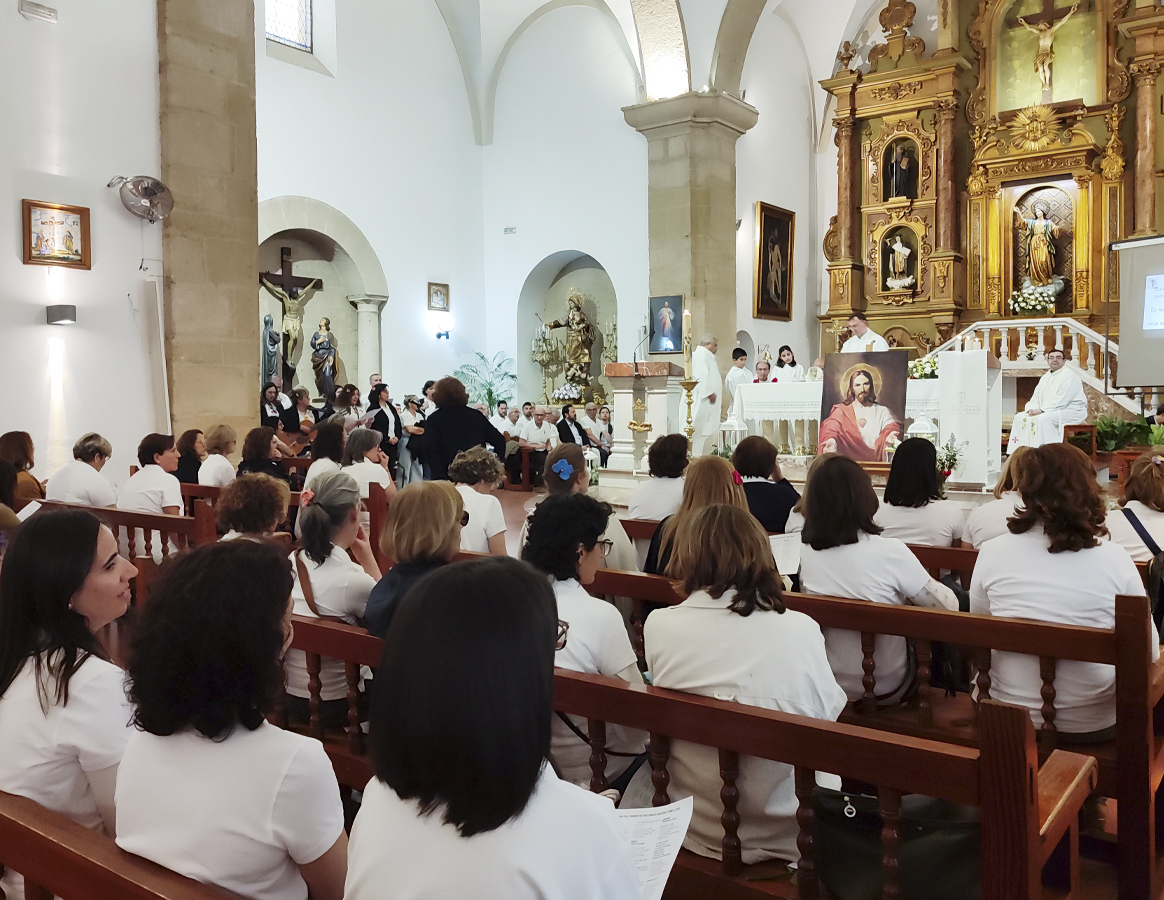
point(1060, 493)
point(709, 480)
point(1145, 481)
point(1012, 472)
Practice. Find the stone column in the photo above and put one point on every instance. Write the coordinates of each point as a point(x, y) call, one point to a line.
point(1145, 74)
point(844, 143)
point(206, 54)
point(368, 358)
point(691, 204)
point(846, 274)
point(947, 191)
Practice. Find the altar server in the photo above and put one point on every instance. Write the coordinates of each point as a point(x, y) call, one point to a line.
point(864, 339)
point(1058, 400)
point(739, 373)
point(705, 370)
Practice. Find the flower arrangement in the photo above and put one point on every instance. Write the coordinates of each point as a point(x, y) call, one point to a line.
point(1031, 352)
point(924, 367)
point(567, 393)
point(949, 457)
point(1033, 300)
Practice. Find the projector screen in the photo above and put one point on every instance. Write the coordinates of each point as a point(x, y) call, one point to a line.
point(1141, 341)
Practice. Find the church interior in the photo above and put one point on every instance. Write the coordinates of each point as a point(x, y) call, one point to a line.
point(782, 236)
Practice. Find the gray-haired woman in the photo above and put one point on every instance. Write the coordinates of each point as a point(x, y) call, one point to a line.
point(368, 464)
point(328, 584)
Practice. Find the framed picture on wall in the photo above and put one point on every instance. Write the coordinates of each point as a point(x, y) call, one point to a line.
point(666, 316)
point(772, 287)
point(438, 296)
point(55, 234)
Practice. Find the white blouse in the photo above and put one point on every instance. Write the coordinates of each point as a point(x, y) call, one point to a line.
point(939, 523)
point(486, 519)
point(989, 520)
point(656, 498)
point(215, 471)
point(79, 482)
point(1126, 536)
point(319, 467)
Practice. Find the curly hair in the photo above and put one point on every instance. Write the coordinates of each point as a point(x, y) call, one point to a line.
point(558, 527)
point(449, 391)
point(475, 465)
point(205, 652)
point(667, 457)
point(257, 444)
point(252, 504)
point(1060, 493)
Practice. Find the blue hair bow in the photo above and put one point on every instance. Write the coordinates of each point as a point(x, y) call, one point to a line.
point(563, 468)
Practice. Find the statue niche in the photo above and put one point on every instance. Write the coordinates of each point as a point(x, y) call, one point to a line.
point(900, 170)
point(899, 260)
point(1044, 220)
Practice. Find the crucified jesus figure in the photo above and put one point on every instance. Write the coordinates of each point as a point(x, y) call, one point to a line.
point(293, 303)
point(1045, 55)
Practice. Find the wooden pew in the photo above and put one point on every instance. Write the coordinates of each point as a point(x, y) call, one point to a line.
point(1021, 827)
point(209, 493)
point(58, 857)
point(377, 519)
point(183, 531)
point(526, 485)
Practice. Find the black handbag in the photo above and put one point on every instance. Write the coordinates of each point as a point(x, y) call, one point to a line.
point(940, 855)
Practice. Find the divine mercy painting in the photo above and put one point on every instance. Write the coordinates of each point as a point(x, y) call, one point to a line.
point(666, 317)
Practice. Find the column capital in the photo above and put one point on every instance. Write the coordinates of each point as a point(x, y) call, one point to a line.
point(368, 302)
point(947, 107)
point(663, 118)
point(1145, 72)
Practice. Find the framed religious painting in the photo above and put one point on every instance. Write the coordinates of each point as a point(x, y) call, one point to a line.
point(863, 404)
point(772, 281)
point(438, 296)
point(55, 234)
point(666, 318)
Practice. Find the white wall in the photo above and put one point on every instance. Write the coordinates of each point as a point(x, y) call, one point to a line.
point(79, 104)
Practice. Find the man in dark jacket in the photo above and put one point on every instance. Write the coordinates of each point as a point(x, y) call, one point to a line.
point(569, 430)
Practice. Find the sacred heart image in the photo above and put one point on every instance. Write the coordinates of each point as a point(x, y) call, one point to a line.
point(863, 404)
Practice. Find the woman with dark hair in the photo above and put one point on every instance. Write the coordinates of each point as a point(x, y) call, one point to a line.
point(9, 521)
point(261, 455)
point(270, 409)
point(153, 488)
point(845, 555)
point(660, 495)
point(207, 786)
point(605, 430)
point(329, 583)
point(475, 810)
point(455, 426)
point(1138, 526)
point(564, 540)
point(191, 451)
point(252, 506)
point(385, 421)
point(427, 405)
point(733, 637)
point(327, 451)
point(64, 718)
point(770, 496)
point(914, 509)
point(16, 447)
point(787, 361)
point(1055, 565)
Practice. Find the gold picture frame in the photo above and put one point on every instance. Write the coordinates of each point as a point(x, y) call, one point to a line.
point(54, 234)
point(438, 296)
point(775, 244)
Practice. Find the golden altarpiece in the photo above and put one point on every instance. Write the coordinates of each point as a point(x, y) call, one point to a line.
point(995, 161)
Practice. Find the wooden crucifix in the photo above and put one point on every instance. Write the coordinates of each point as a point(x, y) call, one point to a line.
point(1044, 25)
point(292, 292)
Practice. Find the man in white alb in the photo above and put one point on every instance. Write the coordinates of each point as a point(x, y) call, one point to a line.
point(1059, 400)
point(864, 339)
point(705, 370)
point(738, 374)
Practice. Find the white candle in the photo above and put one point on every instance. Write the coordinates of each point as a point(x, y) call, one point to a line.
point(687, 344)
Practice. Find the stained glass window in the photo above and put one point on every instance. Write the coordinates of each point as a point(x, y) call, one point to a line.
point(289, 22)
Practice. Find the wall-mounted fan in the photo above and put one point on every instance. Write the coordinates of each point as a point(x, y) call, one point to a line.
point(145, 197)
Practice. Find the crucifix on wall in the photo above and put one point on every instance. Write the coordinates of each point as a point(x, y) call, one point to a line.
point(292, 292)
point(1044, 25)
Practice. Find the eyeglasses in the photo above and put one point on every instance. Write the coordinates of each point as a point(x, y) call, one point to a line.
point(563, 629)
point(606, 546)
point(464, 519)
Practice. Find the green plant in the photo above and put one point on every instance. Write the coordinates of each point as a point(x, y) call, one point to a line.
point(1156, 436)
point(489, 381)
point(1116, 434)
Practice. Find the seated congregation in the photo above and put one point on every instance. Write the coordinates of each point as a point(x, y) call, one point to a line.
point(510, 705)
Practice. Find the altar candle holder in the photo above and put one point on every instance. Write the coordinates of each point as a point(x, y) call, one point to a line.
point(689, 385)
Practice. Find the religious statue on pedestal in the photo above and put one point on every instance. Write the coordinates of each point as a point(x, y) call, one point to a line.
point(271, 342)
point(580, 337)
point(1040, 234)
point(1045, 55)
point(324, 360)
point(899, 277)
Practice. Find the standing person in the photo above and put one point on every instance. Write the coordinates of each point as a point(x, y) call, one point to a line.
point(770, 496)
point(270, 409)
point(738, 374)
point(261, 455)
point(914, 509)
point(705, 370)
point(660, 495)
point(207, 787)
point(764, 372)
point(284, 400)
point(1139, 526)
point(786, 362)
point(411, 443)
point(1058, 400)
point(864, 340)
point(426, 392)
point(153, 488)
point(365, 402)
point(989, 520)
point(386, 420)
point(17, 448)
point(454, 427)
point(64, 717)
point(191, 451)
point(476, 472)
point(539, 437)
point(216, 470)
point(80, 481)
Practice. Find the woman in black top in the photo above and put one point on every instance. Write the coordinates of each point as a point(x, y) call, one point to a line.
point(260, 454)
point(192, 450)
point(770, 497)
point(386, 420)
point(455, 426)
point(270, 409)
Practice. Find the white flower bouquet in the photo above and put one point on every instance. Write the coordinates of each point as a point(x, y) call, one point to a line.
point(567, 393)
point(1032, 300)
point(924, 367)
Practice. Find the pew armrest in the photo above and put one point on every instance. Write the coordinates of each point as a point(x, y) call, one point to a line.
point(1065, 781)
point(1156, 681)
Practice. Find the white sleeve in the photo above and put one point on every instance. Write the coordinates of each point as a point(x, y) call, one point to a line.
point(935, 595)
point(358, 586)
point(614, 652)
point(495, 519)
point(102, 493)
point(308, 815)
point(172, 493)
point(553, 437)
point(957, 522)
point(910, 574)
point(95, 723)
point(979, 593)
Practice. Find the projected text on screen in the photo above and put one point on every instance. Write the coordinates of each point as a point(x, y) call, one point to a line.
point(1154, 302)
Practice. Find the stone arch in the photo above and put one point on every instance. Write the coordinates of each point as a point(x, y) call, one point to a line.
point(731, 44)
point(663, 47)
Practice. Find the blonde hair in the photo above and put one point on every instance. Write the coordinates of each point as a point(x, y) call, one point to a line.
point(1145, 481)
point(219, 438)
point(424, 523)
point(709, 480)
point(1010, 478)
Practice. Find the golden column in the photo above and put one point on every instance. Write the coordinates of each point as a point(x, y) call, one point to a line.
point(846, 273)
point(1145, 74)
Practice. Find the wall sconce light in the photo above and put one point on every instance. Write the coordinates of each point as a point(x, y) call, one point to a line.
point(442, 322)
point(63, 314)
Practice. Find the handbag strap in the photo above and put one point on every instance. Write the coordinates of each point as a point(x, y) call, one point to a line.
point(308, 593)
point(1134, 521)
point(582, 735)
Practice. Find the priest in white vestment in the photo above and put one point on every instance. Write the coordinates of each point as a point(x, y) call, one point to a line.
point(1058, 400)
point(705, 410)
point(864, 339)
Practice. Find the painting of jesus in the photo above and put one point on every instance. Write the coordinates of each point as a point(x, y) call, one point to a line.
point(666, 324)
point(863, 405)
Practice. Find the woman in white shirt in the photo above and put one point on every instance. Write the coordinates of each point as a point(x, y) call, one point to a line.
point(564, 541)
point(790, 370)
point(207, 787)
point(845, 555)
point(1053, 566)
point(476, 811)
point(412, 423)
point(733, 639)
point(367, 464)
point(329, 584)
point(216, 470)
point(795, 523)
point(80, 481)
point(660, 496)
point(989, 520)
point(914, 510)
point(476, 472)
point(252, 506)
point(1139, 526)
point(153, 489)
point(327, 451)
point(64, 717)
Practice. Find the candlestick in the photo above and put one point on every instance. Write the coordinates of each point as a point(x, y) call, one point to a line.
point(687, 344)
point(689, 385)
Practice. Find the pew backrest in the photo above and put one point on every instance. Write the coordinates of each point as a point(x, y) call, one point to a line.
point(155, 530)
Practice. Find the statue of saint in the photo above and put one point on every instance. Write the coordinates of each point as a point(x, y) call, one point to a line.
point(1045, 55)
point(776, 271)
point(1040, 234)
point(899, 254)
point(580, 337)
point(271, 341)
point(324, 359)
point(901, 178)
point(293, 304)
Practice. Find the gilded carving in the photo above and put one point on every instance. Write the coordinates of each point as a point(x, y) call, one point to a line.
point(942, 273)
point(1032, 166)
point(832, 241)
point(1145, 73)
point(945, 332)
point(1112, 164)
point(1082, 288)
point(1034, 128)
point(846, 55)
point(897, 16)
point(896, 91)
point(994, 294)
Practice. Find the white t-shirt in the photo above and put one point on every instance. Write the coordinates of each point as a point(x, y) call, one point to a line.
point(875, 568)
point(340, 588)
point(215, 471)
point(869, 342)
point(148, 491)
point(367, 472)
point(79, 482)
point(408, 419)
point(565, 845)
point(656, 498)
point(939, 523)
point(989, 520)
point(795, 523)
point(597, 643)
point(241, 813)
point(532, 434)
point(319, 467)
point(1017, 576)
point(1125, 535)
point(770, 660)
point(486, 519)
point(588, 424)
point(501, 423)
point(736, 376)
